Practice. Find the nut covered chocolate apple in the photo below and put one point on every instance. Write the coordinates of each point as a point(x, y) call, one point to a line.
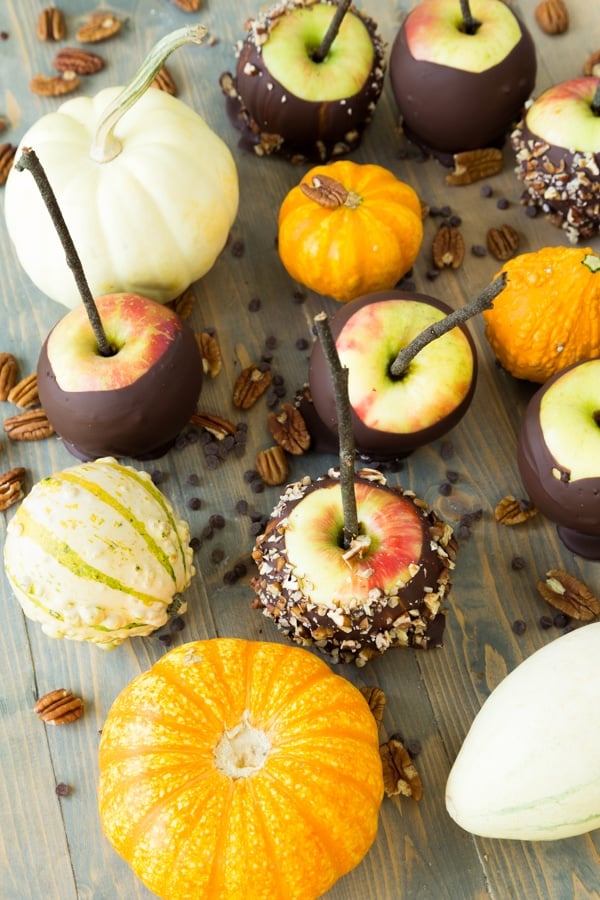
point(386, 590)
point(460, 74)
point(559, 455)
point(291, 98)
point(557, 146)
point(393, 415)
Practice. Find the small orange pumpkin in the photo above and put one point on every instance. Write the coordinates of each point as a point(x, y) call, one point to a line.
point(236, 769)
point(349, 229)
point(548, 315)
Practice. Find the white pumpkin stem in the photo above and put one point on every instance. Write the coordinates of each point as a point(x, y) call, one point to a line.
point(106, 145)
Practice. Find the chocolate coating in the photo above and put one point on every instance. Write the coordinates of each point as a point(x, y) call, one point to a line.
point(274, 120)
point(411, 617)
point(447, 110)
point(573, 505)
point(372, 443)
point(140, 421)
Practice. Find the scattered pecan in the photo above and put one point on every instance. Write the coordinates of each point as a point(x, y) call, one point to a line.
point(565, 592)
point(215, 425)
point(473, 165)
point(24, 394)
point(59, 707)
point(552, 16)
point(272, 465)
point(82, 62)
point(32, 425)
point(376, 699)
point(289, 429)
point(592, 64)
point(503, 242)
point(184, 303)
point(50, 25)
point(7, 155)
point(8, 374)
point(11, 487)
point(210, 352)
point(250, 384)
point(326, 191)
point(3, 123)
point(164, 82)
point(188, 5)
point(510, 511)
point(448, 248)
point(100, 26)
point(54, 85)
point(400, 774)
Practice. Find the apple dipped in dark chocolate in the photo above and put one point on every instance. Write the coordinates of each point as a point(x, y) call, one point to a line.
point(349, 564)
point(119, 375)
point(461, 73)
point(307, 81)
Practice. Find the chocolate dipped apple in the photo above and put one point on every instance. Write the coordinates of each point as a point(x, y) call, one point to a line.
point(308, 77)
point(460, 74)
point(117, 376)
point(559, 455)
point(557, 146)
point(350, 564)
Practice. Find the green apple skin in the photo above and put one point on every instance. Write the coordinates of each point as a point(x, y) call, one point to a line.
point(558, 455)
point(295, 37)
point(563, 116)
point(392, 417)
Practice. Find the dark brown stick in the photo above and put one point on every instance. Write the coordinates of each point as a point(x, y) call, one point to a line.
point(469, 22)
point(330, 35)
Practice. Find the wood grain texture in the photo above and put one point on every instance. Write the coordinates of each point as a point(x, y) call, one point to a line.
point(53, 848)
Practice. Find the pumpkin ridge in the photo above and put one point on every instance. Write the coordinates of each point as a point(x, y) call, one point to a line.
point(332, 767)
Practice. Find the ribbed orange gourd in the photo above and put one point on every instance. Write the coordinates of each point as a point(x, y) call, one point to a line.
point(349, 229)
point(548, 315)
point(236, 769)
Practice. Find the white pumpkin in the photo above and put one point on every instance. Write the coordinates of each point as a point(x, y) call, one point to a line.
point(529, 767)
point(96, 553)
point(148, 191)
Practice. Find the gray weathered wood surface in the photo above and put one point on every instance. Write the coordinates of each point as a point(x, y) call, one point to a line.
point(53, 848)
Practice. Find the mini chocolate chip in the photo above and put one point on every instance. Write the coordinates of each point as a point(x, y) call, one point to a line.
point(212, 462)
point(180, 442)
point(62, 789)
point(446, 211)
point(254, 304)
point(195, 543)
point(217, 521)
point(452, 476)
point(546, 622)
point(463, 532)
point(414, 747)
point(519, 626)
point(561, 620)
point(302, 344)
point(503, 203)
point(177, 623)
point(240, 569)
point(278, 379)
point(454, 221)
point(229, 577)
point(157, 476)
point(207, 533)
point(517, 563)
point(256, 528)
point(238, 248)
point(298, 296)
point(211, 448)
point(193, 437)
point(257, 486)
point(217, 555)
point(479, 250)
point(194, 503)
point(271, 342)
point(445, 489)
point(250, 475)
point(435, 211)
point(165, 639)
point(241, 507)
point(531, 212)
point(447, 449)
point(485, 190)
point(408, 285)
point(432, 274)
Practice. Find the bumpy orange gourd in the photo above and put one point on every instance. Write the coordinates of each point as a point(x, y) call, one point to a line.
point(349, 229)
point(236, 769)
point(548, 315)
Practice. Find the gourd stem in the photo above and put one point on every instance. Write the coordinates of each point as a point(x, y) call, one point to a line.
point(330, 35)
point(339, 376)
point(485, 300)
point(470, 24)
point(596, 100)
point(30, 161)
point(105, 145)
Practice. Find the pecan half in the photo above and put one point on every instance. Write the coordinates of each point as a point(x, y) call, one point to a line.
point(82, 62)
point(59, 707)
point(211, 353)
point(164, 81)
point(100, 26)
point(565, 592)
point(503, 242)
point(24, 394)
point(184, 303)
point(510, 511)
point(592, 64)
point(11, 487)
point(448, 248)
point(400, 774)
point(215, 425)
point(376, 699)
point(188, 5)
point(250, 384)
point(8, 374)
point(32, 425)
point(289, 429)
point(7, 155)
point(552, 16)
point(54, 85)
point(473, 165)
point(271, 465)
point(50, 25)
point(326, 191)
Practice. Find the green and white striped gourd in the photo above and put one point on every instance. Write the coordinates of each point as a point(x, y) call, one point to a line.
point(96, 553)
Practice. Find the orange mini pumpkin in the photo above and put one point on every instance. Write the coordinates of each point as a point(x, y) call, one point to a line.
point(237, 769)
point(349, 229)
point(548, 315)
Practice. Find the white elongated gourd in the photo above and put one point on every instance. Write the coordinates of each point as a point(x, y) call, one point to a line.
point(148, 191)
point(529, 767)
point(96, 553)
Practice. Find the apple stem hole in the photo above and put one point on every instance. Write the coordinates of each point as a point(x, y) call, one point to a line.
point(470, 24)
point(320, 53)
point(596, 417)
